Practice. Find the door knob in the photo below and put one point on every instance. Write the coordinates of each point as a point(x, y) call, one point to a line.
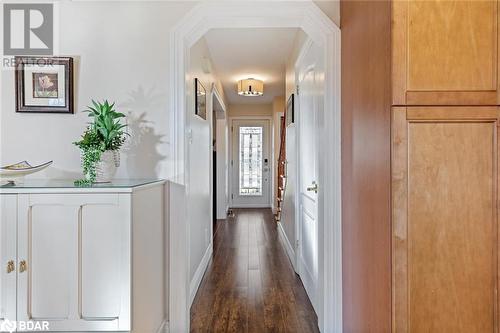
point(10, 266)
point(23, 266)
point(313, 187)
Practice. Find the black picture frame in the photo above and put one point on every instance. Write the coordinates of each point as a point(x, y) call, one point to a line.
point(290, 110)
point(41, 66)
point(200, 99)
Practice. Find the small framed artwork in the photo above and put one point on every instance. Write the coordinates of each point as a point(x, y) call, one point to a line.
point(200, 99)
point(290, 110)
point(44, 84)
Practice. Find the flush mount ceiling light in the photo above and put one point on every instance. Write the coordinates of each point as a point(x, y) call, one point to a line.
point(250, 87)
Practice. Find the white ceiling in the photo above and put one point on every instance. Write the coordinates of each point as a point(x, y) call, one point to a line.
point(260, 53)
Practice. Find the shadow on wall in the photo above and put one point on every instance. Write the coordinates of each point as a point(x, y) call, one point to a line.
point(141, 150)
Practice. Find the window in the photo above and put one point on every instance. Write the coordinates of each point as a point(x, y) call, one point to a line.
point(251, 160)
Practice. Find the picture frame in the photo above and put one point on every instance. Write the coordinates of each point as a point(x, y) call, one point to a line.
point(290, 110)
point(200, 100)
point(44, 84)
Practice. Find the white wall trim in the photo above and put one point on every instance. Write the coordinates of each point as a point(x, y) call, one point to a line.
point(198, 275)
point(308, 43)
point(163, 327)
point(290, 250)
point(307, 16)
point(215, 93)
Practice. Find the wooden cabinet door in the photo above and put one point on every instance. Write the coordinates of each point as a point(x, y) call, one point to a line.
point(76, 250)
point(8, 221)
point(445, 224)
point(445, 52)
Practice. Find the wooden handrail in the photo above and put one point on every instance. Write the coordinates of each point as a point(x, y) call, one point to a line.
point(281, 168)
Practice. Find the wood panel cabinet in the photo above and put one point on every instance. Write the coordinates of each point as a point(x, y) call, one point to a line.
point(445, 52)
point(76, 266)
point(445, 222)
point(435, 65)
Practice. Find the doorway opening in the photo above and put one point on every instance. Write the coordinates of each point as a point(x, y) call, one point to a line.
point(219, 192)
point(327, 249)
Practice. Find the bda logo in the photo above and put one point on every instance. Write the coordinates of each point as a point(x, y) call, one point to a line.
point(8, 326)
point(28, 29)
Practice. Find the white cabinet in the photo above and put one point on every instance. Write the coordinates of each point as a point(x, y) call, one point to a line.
point(8, 225)
point(76, 263)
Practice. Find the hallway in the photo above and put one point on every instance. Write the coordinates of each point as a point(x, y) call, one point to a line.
point(250, 285)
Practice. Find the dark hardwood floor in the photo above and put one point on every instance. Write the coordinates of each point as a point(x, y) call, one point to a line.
point(250, 285)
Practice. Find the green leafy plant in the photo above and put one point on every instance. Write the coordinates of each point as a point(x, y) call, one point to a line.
point(105, 132)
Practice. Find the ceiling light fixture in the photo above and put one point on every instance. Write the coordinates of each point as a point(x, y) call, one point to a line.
point(250, 87)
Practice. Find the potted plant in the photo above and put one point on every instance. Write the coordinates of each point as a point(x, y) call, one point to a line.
point(100, 143)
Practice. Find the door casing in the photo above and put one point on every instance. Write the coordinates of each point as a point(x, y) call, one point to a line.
point(307, 16)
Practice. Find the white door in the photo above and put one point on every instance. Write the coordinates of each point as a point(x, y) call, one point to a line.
point(250, 163)
point(310, 96)
point(8, 258)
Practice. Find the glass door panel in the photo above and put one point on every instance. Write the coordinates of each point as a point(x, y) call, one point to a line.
point(250, 182)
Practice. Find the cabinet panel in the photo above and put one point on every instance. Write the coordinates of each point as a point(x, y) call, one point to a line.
point(101, 249)
point(53, 239)
point(8, 221)
point(444, 221)
point(445, 52)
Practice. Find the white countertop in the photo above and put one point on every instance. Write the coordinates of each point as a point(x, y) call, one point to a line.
point(68, 186)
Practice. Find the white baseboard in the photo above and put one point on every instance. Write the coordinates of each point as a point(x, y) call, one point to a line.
point(222, 215)
point(287, 245)
point(163, 327)
point(309, 283)
point(198, 275)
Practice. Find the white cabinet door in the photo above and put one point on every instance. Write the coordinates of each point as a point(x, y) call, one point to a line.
point(8, 220)
point(77, 258)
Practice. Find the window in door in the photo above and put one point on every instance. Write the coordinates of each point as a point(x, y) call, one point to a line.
point(250, 160)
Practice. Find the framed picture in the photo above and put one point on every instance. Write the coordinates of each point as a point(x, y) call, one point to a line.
point(200, 99)
point(44, 84)
point(290, 110)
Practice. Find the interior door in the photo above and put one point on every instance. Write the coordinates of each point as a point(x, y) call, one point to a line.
point(250, 163)
point(310, 74)
point(8, 223)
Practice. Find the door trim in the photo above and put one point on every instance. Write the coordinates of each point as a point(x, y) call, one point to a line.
point(307, 16)
point(269, 119)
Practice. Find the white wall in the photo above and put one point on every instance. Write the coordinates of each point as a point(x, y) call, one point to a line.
point(121, 52)
point(288, 212)
point(199, 201)
point(243, 110)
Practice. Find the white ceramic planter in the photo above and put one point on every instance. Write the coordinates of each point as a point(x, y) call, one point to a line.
point(105, 169)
